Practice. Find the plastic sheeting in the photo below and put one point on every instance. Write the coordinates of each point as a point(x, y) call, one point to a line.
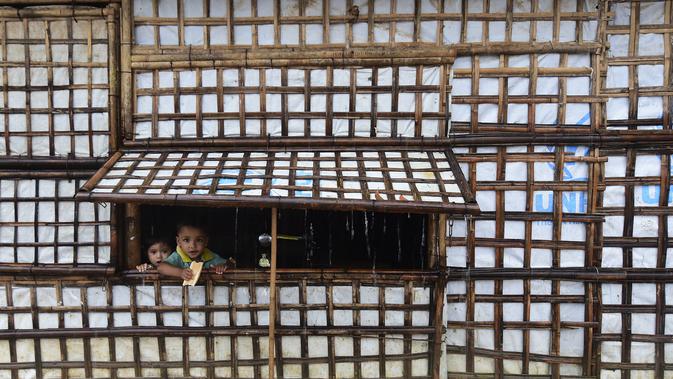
point(96, 296)
point(67, 116)
point(272, 102)
point(43, 212)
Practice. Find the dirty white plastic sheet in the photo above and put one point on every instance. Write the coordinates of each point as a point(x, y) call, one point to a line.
point(70, 133)
point(50, 204)
point(185, 105)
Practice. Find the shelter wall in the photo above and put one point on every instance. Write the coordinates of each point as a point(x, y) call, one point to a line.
point(56, 84)
point(564, 272)
point(216, 102)
point(42, 224)
point(611, 217)
point(364, 326)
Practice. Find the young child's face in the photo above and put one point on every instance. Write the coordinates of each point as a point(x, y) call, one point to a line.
point(157, 252)
point(192, 241)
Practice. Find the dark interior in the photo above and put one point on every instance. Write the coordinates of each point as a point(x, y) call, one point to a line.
point(307, 238)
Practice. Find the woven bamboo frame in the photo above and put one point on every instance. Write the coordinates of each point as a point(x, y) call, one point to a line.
point(42, 224)
point(638, 349)
point(60, 68)
point(233, 309)
point(486, 143)
point(517, 171)
point(332, 23)
point(308, 102)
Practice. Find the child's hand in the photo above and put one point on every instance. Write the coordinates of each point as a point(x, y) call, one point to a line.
point(186, 274)
point(143, 267)
point(220, 269)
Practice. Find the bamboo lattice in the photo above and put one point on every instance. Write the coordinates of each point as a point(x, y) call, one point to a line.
point(560, 119)
point(359, 325)
point(56, 90)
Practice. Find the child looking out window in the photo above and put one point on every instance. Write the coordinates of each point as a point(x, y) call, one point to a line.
point(192, 245)
point(157, 251)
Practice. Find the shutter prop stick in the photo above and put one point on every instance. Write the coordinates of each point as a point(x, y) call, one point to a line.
point(272, 292)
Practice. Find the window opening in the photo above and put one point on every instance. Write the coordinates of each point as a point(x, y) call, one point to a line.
point(324, 239)
point(232, 232)
point(306, 238)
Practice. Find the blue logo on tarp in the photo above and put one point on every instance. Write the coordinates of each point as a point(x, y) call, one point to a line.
point(572, 201)
point(650, 193)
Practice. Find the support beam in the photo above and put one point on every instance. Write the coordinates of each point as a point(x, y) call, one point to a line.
point(604, 139)
point(272, 293)
point(440, 290)
point(126, 78)
point(133, 236)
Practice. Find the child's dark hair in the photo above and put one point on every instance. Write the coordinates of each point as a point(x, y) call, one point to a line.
point(153, 240)
point(157, 239)
point(192, 224)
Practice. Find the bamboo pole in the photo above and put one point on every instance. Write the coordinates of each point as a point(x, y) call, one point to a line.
point(22, 174)
point(392, 206)
point(321, 275)
point(88, 186)
point(290, 62)
point(25, 164)
point(56, 270)
point(439, 295)
point(612, 138)
point(298, 54)
point(21, 12)
point(133, 246)
point(272, 292)
point(126, 103)
point(57, 2)
point(179, 331)
point(113, 70)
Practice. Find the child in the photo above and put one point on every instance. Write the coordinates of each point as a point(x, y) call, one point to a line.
point(192, 243)
point(157, 252)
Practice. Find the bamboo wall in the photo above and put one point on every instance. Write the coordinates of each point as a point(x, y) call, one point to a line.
point(348, 326)
point(282, 102)
point(56, 128)
point(55, 83)
point(567, 265)
point(42, 224)
point(560, 117)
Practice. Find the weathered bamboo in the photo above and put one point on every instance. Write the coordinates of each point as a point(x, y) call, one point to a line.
point(576, 274)
point(133, 235)
point(629, 144)
point(115, 236)
point(597, 274)
point(507, 72)
point(299, 54)
point(95, 178)
point(272, 293)
point(613, 139)
point(15, 174)
point(22, 12)
point(55, 270)
point(278, 202)
point(126, 76)
point(439, 297)
point(283, 62)
point(156, 331)
point(114, 81)
point(388, 277)
point(387, 17)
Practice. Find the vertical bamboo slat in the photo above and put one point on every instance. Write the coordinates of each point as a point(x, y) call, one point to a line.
point(126, 85)
point(133, 236)
point(272, 292)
